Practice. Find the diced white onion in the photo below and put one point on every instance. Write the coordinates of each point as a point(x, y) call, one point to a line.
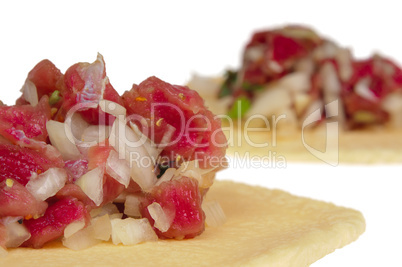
point(255, 53)
point(163, 220)
point(73, 227)
point(95, 134)
point(78, 125)
point(112, 108)
point(132, 231)
point(132, 205)
point(16, 234)
point(214, 215)
point(331, 84)
point(109, 209)
point(91, 184)
point(326, 50)
point(62, 138)
point(149, 145)
point(30, 93)
point(392, 103)
point(116, 216)
point(344, 59)
point(130, 148)
point(47, 184)
point(82, 239)
point(296, 82)
point(301, 102)
point(314, 106)
point(121, 198)
point(118, 168)
point(102, 227)
point(166, 138)
point(191, 169)
point(269, 102)
point(206, 86)
point(362, 88)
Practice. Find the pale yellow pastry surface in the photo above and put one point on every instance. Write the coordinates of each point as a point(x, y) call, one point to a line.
point(264, 228)
point(348, 147)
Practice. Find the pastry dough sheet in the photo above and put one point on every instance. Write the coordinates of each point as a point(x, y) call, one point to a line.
point(350, 147)
point(264, 228)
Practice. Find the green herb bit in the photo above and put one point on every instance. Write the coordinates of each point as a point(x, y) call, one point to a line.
point(252, 87)
point(163, 168)
point(227, 86)
point(239, 107)
point(54, 98)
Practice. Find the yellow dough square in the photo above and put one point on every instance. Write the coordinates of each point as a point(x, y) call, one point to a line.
point(264, 228)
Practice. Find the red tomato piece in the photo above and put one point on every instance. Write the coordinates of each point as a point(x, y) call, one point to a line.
point(86, 83)
point(56, 218)
point(21, 123)
point(182, 198)
point(198, 133)
point(45, 76)
point(16, 200)
point(19, 163)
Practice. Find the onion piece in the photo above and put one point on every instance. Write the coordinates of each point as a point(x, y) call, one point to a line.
point(118, 168)
point(166, 138)
point(296, 82)
point(344, 59)
point(392, 103)
point(78, 125)
point(214, 215)
point(16, 234)
point(95, 134)
point(149, 145)
point(163, 220)
point(47, 184)
point(30, 93)
point(362, 88)
point(269, 101)
point(204, 180)
point(132, 231)
point(301, 101)
point(102, 227)
point(207, 87)
point(132, 205)
point(62, 138)
point(82, 239)
point(112, 108)
point(91, 184)
point(130, 148)
point(205, 177)
point(73, 227)
point(109, 209)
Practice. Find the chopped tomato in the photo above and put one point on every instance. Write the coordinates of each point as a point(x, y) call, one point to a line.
point(56, 218)
point(19, 163)
point(45, 76)
point(16, 200)
point(87, 84)
point(183, 199)
point(197, 135)
point(97, 157)
point(24, 122)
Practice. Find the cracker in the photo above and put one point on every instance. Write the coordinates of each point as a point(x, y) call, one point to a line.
point(264, 228)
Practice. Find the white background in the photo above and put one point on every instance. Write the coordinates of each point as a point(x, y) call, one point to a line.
point(172, 40)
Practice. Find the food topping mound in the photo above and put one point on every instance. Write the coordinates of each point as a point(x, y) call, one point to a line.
point(81, 164)
point(292, 72)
